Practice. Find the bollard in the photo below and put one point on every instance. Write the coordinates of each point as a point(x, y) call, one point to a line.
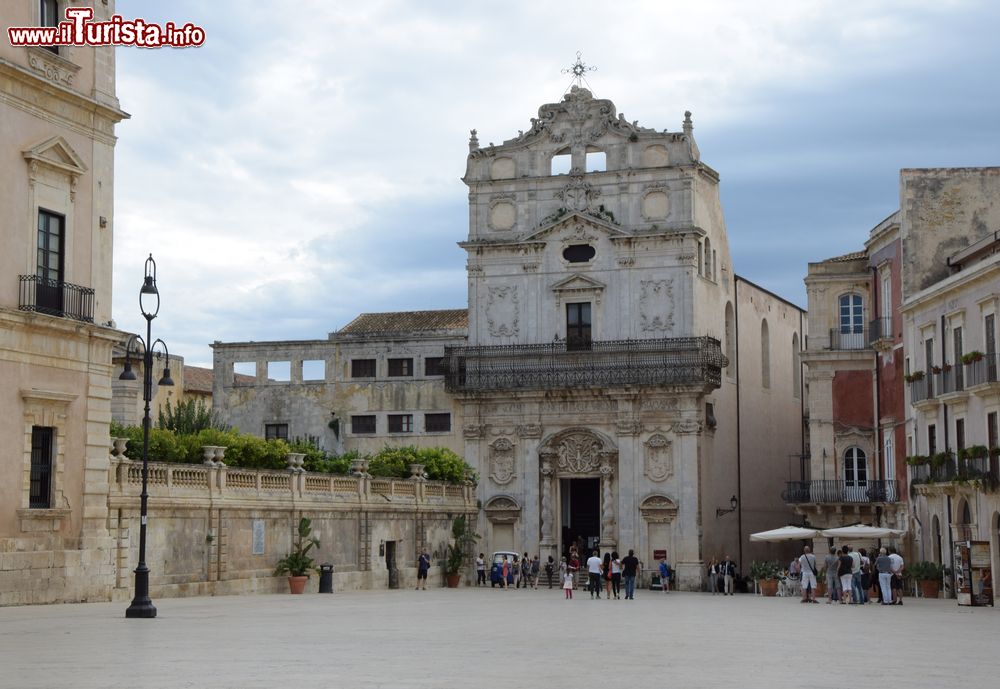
point(326, 578)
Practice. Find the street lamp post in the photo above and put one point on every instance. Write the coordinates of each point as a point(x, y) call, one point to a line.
point(149, 305)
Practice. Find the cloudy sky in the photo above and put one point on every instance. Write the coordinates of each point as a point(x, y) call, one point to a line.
point(303, 165)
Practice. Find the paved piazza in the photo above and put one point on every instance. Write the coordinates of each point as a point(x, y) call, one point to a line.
point(491, 638)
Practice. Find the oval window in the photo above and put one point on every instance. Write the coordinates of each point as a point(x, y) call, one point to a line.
point(579, 253)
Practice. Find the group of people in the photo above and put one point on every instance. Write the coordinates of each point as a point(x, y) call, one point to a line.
point(607, 572)
point(522, 571)
point(851, 575)
point(722, 576)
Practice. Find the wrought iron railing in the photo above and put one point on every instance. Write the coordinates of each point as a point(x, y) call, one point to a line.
point(56, 298)
point(985, 370)
point(922, 389)
point(880, 329)
point(673, 361)
point(839, 492)
point(854, 337)
point(952, 469)
point(950, 379)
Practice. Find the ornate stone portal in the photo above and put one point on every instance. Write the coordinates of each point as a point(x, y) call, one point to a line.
point(578, 453)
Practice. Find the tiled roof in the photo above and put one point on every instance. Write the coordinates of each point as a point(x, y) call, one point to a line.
point(198, 379)
point(853, 256)
point(408, 321)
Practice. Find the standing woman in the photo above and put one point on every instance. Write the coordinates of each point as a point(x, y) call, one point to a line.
point(504, 571)
point(606, 574)
point(616, 574)
point(713, 576)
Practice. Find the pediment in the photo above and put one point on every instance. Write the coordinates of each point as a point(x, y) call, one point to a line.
point(577, 283)
point(56, 153)
point(575, 225)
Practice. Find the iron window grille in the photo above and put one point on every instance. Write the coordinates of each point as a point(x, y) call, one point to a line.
point(400, 423)
point(364, 424)
point(363, 368)
point(437, 423)
point(400, 367)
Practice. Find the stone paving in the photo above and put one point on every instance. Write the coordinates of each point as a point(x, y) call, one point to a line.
point(471, 638)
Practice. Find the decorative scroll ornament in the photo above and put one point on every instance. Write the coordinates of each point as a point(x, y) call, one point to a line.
point(502, 461)
point(501, 311)
point(656, 304)
point(658, 508)
point(578, 194)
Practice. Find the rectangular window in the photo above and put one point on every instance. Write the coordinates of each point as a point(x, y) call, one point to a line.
point(244, 372)
point(50, 263)
point(991, 429)
point(400, 423)
point(362, 368)
point(959, 434)
point(990, 341)
point(578, 326)
point(433, 366)
point(400, 367)
point(314, 369)
point(931, 439)
point(361, 425)
point(929, 361)
point(48, 15)
point(40, 496)
point(957, 358)
point(437, 423)
point(279, 371)
point(275, 431)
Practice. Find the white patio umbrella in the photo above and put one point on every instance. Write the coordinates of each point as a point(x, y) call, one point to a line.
point(785, 533)
point(861, 531)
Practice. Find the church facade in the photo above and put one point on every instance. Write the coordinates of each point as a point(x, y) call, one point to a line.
point(614, 382)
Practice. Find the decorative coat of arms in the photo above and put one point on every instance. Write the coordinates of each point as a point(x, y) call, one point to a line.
point(579, 454)
point(656, 304)
point(502, 461)
point(659, 460)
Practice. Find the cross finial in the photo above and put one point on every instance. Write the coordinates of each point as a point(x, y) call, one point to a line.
point(578, 69)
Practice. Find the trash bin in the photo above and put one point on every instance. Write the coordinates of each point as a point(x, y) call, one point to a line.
point(326, 578)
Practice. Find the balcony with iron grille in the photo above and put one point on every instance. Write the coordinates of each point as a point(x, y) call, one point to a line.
point(56, 298)
point(850, 338)
point(685, 361)
point(880, 335)
point(981, 375)
point(832, 492)
point(946, 469)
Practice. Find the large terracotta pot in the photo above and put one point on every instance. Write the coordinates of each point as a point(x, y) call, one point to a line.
point(768, 587)
point(453, 580)
point(930, 589)
point(297, 584)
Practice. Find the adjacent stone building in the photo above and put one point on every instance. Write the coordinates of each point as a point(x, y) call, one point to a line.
point(612, 380)
point(58, 112)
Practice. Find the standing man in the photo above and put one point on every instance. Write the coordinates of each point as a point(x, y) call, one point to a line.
point(728, 575)
point(423, 565)
point(832, 562)
point(807, 568)
point(594, 575)
point(897, 576)
point(857, 595)
point(883, 565)
point(630, 570)
point(665, 575)
point(480, 570)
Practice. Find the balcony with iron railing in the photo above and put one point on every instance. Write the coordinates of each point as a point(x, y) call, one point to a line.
point(850, 338)
point(56, 298)
point(921, 389)
point(689, 361)
point(880, 331)
point(946, 468)
point(832, 492)
point(983, 370)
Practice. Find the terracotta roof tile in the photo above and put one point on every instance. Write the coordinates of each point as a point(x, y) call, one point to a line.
point(408, 321)
point(853, 256)
point(198, 379)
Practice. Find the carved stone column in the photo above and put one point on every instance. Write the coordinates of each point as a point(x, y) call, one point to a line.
point(607, 502)
point(545, 490)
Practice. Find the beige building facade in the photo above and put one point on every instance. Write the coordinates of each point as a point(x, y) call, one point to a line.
point(58, 112)
point(613, 381)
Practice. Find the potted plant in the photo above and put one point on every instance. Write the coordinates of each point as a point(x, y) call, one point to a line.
point(766, 575)
point(972, 357)
point(914, 377)
point(297, 564)
point(462, 537)
point(928, 577)
point(917, 460)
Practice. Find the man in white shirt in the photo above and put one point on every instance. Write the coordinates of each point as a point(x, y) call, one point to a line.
point(897, 576)
point(857, 596)
point(594, 575)
point(808, 569)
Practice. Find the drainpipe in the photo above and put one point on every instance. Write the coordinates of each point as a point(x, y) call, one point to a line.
point(739, 433)
point(879, 459)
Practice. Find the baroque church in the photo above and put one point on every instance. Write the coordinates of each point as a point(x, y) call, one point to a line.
point(613, 381)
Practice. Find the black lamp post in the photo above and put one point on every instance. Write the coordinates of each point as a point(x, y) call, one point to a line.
point(149, 304)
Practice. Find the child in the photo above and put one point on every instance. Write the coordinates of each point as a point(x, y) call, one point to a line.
point(568, 584)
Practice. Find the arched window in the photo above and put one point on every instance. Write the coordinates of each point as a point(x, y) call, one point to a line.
point(765, 355)
point(852, 322)
point(707, 271)
point(730, 342)
point(562, 161)
point(855, 469)
point(796, 367)
point(596, 160)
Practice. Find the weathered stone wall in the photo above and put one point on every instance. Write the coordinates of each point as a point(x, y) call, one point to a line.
point(201, 527)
